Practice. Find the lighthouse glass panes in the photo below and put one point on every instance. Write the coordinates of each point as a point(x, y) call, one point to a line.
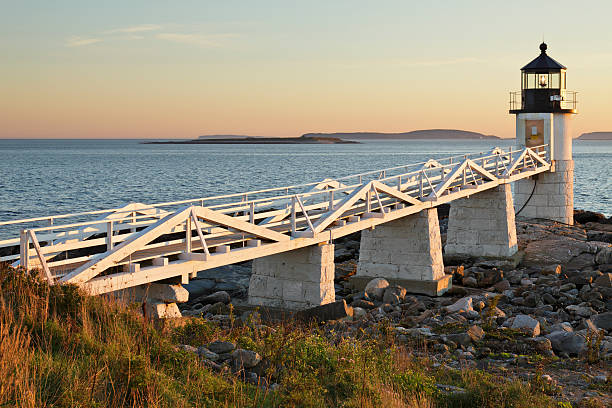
point(543, 80)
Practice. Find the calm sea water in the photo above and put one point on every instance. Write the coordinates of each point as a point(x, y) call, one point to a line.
point(46, 177)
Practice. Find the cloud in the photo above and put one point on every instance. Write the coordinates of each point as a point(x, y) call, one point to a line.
point(136, 29)
point(206, 40)
point(81, 41)
point(431, 63)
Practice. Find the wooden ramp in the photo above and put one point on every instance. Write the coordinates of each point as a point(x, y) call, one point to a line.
point(139, 243)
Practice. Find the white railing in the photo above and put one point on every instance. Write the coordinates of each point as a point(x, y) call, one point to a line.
point(58, 248)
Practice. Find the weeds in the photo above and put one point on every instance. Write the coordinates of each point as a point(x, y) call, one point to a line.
point(61, 348)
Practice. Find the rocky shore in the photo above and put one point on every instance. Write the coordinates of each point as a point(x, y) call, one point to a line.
point(548, 315)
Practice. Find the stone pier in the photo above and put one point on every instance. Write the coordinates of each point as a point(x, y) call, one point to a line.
point(407, 252)
point(553, 196)
point(482, 225)
point(294, 280)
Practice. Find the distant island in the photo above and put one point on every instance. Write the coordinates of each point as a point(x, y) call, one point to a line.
point(415, 134)
point(334, 138)
point(235, 139)
point(596, 136)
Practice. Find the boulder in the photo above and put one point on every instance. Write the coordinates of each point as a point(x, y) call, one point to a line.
point(464, 304)
point(553, 251)
point(245, 358)
point(581, 311)
point(602, 320)
point(567, 342)
point(375, 289)
point(541, 344)
point(554, 269)
point(604, 256)
point(220, 347)
point(329, 311)
point(604, 281)
point(358, 312)
point(502, 285)
point(364, 304)
point(205, 353)
point(161, 310)
point(221, 296)
point(394, 295)
point(526, 324)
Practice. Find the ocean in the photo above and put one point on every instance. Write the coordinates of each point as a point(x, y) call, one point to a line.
point(47, 177)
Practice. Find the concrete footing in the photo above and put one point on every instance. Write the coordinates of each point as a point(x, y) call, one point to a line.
point(482, 225)
point(159, 299)
point(407, 251)
point(553, 196)
point(294, 280)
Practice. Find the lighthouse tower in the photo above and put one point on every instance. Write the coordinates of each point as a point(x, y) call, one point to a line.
point(543, 110)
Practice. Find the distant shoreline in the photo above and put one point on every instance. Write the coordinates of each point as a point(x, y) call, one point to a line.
point(262, 140)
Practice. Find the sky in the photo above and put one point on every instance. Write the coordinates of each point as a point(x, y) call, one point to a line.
point(180, 69)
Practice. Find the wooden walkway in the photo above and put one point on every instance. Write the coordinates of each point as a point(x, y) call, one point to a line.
point(137, 244)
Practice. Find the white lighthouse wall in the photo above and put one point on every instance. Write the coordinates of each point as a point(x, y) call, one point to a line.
point(562, 139)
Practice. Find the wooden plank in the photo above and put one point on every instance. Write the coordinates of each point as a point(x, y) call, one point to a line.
point(397, 194)
point(46, 273)
point(231, 222)
point(345, 205)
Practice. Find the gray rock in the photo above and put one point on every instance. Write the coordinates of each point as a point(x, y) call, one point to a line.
point(549, 299)
point(394, 295)
point(567, 287)
point(554, 269)
point(564, 326)
point(375, 289)
point(188, 348)
point(541, 344)
point(221, 296)
point(207, 354)
point(527, 324)
point(603, 320)
point(470, 282)
point(567, 342)
point(502, 285)
point(580, 310)
point(245, 358)
point(605, 280)
point(604, 256)
point(462, 304)
point(363, 304)
point(358, 312)
point(220, 347)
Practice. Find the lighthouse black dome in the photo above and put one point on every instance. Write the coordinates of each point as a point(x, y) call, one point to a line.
point(543, 62)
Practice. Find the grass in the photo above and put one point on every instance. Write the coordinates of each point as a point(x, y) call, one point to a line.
point(60, 348)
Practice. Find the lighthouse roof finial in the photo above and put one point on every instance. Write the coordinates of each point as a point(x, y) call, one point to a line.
point(543, 62)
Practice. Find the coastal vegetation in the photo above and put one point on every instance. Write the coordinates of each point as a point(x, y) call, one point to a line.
point(61, 348)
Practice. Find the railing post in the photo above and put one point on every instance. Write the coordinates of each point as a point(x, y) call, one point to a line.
point(399, 183)
point(188, 235)
point(293, 221)
point(369, 201)
point(421, 184)
point(24, 249)
point(109, 235)
point(331, 200)
point(252, 212)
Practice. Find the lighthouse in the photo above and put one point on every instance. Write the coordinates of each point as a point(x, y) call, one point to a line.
point(544, 109)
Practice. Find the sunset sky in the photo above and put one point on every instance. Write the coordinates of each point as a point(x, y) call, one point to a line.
point(161, 69)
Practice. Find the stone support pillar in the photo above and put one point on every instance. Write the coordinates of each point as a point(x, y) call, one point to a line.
point(294, 280)
point(482, 225)
point(553, 196)
point(407, 252)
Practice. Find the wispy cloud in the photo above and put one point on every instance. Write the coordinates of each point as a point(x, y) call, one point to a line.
point(135, 29)
point(205, 40)
point(81, 41)
point(431, 63)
